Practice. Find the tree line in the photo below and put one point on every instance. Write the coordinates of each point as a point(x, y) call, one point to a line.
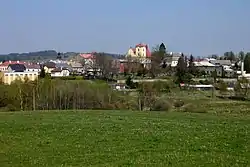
point(57, 94)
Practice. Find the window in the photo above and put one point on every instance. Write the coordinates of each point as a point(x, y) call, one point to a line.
point(11, 74)
point(17, 75)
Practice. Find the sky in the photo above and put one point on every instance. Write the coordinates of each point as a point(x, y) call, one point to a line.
point(198, 27)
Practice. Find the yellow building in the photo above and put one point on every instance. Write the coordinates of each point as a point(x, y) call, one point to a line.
point(17, 72)
point(140, 51)
point(9, 77)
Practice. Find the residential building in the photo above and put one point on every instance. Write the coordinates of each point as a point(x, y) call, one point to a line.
point(63, 66)
point(17, 72)
point(221, 62)
point(76, 67)
point(172, 59)
point(58, 72)
point(4, 65)
point(16, 68)
point(208, 67)
point(9, 77)
point(32, 67)
point(49, 66)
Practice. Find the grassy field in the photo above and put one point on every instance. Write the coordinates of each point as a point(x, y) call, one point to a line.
point(123, 138)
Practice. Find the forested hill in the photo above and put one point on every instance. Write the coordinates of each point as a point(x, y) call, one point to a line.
point(42, 55)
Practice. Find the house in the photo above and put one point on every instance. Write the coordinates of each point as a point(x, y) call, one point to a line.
point(172, 59)
point(77, 67)
point(140, 51)
point(58, 72)
point(16, 68)
point(89, 61)
point(208, 67)
point(33, 67)
point(63, 66)
point(221, 62)
point(49, 66)
point(4, 65)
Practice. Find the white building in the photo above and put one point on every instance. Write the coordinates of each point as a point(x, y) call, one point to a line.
point(60, 72)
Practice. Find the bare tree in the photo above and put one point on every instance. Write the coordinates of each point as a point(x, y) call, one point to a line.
point(103, 63)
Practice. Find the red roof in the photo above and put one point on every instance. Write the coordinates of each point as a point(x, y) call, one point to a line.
point(7, 63)
point(87, 55)
point(141, 45)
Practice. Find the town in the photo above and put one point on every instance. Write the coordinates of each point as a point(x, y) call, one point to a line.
point(139, 62)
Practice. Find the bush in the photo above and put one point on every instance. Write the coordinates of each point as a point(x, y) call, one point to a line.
point(178, 103)
point(161, 105)
point(193, 108)
point(11, 107)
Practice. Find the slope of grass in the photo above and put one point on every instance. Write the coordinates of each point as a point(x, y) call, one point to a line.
point(122, 138)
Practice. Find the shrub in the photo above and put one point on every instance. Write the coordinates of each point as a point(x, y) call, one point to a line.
point(11, 107)
point(161, 105)
point(178, 103)
point(192, 108)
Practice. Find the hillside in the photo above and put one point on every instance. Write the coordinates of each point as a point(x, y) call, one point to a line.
point(44, 55)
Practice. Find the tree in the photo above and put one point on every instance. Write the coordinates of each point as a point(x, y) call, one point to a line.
point(130, 83)
point(242, 87)
point(241, 55)
point(157, 60)
point(214, 56)
point(222, 87)
point(192, 69)
point(229, 56)
point(162, 48)
point(59, 56)
point(181, 71)
point(42, 73)
point(103, 63)
point(247, 62)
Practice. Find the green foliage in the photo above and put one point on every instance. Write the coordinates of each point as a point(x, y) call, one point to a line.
point(47, 94)
point(222, 86)
point(130, 83)
point(178, 103)
point(42, 73)
point(182, 75)
point(161, 105)
point(242, 87)
point(162, 48)
point(229, 56)
point(192, 108)
point(247, 62)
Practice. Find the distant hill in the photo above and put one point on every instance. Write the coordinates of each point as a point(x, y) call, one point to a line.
point(40, 55)
point(43, 55)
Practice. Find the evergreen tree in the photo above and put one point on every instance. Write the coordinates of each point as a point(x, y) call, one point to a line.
point(162, 48)
point(42, 73)
point(181, 71)
point(191, 66)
